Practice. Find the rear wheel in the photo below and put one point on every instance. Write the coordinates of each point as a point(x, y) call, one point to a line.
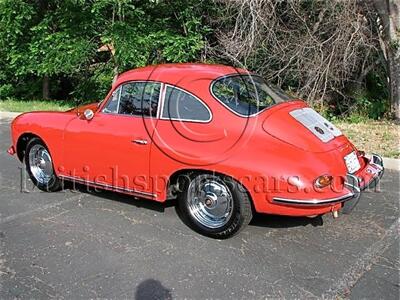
point(215, 206)
point(39, 166)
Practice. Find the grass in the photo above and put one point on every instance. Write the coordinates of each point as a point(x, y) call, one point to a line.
point(32, 105)
point(371, 136)
point(381, 137)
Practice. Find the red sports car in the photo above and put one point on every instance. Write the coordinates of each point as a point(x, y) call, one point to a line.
point(220, 139)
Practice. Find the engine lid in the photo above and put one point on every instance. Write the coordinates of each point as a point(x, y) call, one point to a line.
point(303, 127)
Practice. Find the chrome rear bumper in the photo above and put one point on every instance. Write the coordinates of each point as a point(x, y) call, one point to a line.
point(355, 186)
point(352, 183)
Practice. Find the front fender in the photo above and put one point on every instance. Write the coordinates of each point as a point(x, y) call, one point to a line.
point(48, 126)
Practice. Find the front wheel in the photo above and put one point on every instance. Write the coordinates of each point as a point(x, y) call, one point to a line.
point(215, 206)
point(39, 166)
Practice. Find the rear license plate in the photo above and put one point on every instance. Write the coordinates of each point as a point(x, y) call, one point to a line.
point(352, 163)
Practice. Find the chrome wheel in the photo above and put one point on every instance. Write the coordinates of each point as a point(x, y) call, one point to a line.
point(210, 201)
point(40, 164)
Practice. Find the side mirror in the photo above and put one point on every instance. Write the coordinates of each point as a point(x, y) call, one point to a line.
point(88, 114)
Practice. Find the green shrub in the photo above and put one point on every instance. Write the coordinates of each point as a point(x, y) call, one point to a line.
point(6, 91)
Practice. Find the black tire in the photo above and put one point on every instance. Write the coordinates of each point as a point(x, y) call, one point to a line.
point(54, 183)
point(241, 209)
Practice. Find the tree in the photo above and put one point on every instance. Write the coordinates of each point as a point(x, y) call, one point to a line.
point(312, 47)
point(389, 12)
point(50, 41)
point(324, 51)
point(44, 39)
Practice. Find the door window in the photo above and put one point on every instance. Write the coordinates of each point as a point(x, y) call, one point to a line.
point(139, 99)
point(135, 98)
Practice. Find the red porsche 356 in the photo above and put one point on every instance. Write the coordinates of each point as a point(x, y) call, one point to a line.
point(220, 139)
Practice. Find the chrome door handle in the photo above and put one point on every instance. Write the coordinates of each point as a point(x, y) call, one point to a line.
point(140, 142)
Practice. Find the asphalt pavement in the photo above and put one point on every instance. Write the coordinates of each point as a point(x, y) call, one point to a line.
point(80, 244)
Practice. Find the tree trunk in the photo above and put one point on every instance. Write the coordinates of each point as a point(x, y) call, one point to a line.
point(394, 72)
point(45, 88)
point(393, 32)
point(389, 12)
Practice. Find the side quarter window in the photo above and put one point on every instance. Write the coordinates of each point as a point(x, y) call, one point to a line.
point(180, 105)
point(112, 103)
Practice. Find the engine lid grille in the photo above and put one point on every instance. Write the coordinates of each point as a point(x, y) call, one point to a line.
point(317, 124)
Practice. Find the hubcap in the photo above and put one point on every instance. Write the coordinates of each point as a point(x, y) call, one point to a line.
point(210, 201)
point(40, 164)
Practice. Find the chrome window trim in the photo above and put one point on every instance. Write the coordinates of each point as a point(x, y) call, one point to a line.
point(189, 93)
point(161, 100)
point(230, 109)
point(119, 98)
point(129, 116)
point(116, 188)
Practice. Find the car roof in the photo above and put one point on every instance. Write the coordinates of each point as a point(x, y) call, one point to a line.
point(173, 73)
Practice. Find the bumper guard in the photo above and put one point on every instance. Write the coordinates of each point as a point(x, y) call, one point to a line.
point(353, 183)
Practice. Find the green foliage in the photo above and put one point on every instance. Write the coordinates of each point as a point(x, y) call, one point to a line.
point(6, 91)
point(372, 101)
point(365, 102)
point(59, 39)
point(94, 87)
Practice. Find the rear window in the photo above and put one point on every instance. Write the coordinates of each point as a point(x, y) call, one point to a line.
point(246, 95)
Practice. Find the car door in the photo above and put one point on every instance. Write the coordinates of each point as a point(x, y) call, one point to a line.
point(113, 148)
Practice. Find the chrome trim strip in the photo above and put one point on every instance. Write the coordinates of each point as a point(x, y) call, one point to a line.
point(161, 100)
point(119, 97)
point(313, 202)
point(115, 188)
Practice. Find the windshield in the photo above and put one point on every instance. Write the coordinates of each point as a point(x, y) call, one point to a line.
point(246, 94)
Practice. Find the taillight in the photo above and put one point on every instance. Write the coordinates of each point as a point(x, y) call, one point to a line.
point(323, 181)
